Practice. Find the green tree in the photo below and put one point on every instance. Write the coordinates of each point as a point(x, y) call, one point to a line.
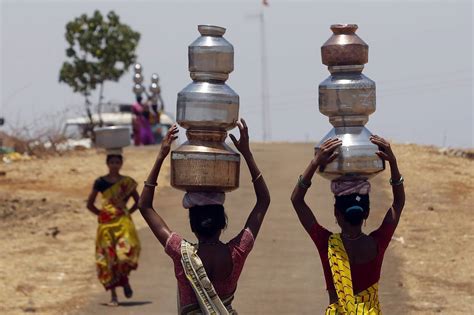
point(100, 49)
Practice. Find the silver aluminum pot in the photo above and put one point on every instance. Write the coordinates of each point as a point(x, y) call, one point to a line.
point(209, 106)
point(112, 137)
point(357, 158)
point(347, 96)
point(211, 56)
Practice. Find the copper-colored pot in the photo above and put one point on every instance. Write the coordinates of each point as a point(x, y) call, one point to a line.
point(344, 47)
point(204, 164)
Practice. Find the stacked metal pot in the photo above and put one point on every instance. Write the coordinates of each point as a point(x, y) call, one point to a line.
point(207, 108)
point(138, 87)
point(347, 97)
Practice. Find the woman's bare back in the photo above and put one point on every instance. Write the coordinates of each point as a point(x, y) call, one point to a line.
point(362, 250)
point(217, 261)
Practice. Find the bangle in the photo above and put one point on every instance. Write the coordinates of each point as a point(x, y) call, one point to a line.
point(302, 184)
point(397, 183)
point(147, 184)
point(257, 178)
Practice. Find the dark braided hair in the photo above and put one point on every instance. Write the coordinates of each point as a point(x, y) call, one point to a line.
point(353, 207)
point(207, 220)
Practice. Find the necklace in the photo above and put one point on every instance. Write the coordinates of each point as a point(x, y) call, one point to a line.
point(352, 238)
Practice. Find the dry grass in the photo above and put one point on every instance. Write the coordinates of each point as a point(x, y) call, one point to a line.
point(436, 227)
point(47, 262)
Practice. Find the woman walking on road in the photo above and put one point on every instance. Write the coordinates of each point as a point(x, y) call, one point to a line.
point(207, 272)
point(352, 260)
point(117, 243)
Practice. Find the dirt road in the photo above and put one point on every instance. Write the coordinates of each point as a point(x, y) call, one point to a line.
point(47, 261)
point(283, 274)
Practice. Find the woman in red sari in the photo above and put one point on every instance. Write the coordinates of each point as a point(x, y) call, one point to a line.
point(207, 272)
point(351, 260)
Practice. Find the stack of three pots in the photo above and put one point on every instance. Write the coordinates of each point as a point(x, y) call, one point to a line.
point(207, 108)
point(347, 97)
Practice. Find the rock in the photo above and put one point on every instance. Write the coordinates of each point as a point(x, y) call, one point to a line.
point(29, 309)
point(53, 231)
point(463, 153)
point(399, 239)
point(430, 208)
point(26, 289)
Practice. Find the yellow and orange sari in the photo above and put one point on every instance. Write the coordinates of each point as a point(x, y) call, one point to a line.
point(365, 302)
point(117, 243)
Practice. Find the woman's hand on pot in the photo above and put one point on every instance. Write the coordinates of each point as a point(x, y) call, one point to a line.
point(326, 153)
point(171, 136)
point(385, 150)
point(243, 143)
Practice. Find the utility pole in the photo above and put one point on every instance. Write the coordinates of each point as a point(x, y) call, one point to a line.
point(266, 126)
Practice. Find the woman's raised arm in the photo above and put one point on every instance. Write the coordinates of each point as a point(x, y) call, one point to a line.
point(324, 156)
point(255, 219)
point(396, 180)
point(145, 204)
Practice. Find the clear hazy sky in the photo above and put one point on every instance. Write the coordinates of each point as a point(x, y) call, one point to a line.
point(420, 56)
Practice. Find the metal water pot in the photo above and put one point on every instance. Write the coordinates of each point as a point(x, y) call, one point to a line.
point(347, 97)
point(112, 137)
point(207, 108)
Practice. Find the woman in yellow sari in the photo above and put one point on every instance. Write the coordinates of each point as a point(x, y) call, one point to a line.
point(117, 243)
point(351, 259)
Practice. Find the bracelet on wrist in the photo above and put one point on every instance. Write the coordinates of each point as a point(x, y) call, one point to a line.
point(147, 184)
point(302, 184)
point(398, 182)
point(257, 178)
